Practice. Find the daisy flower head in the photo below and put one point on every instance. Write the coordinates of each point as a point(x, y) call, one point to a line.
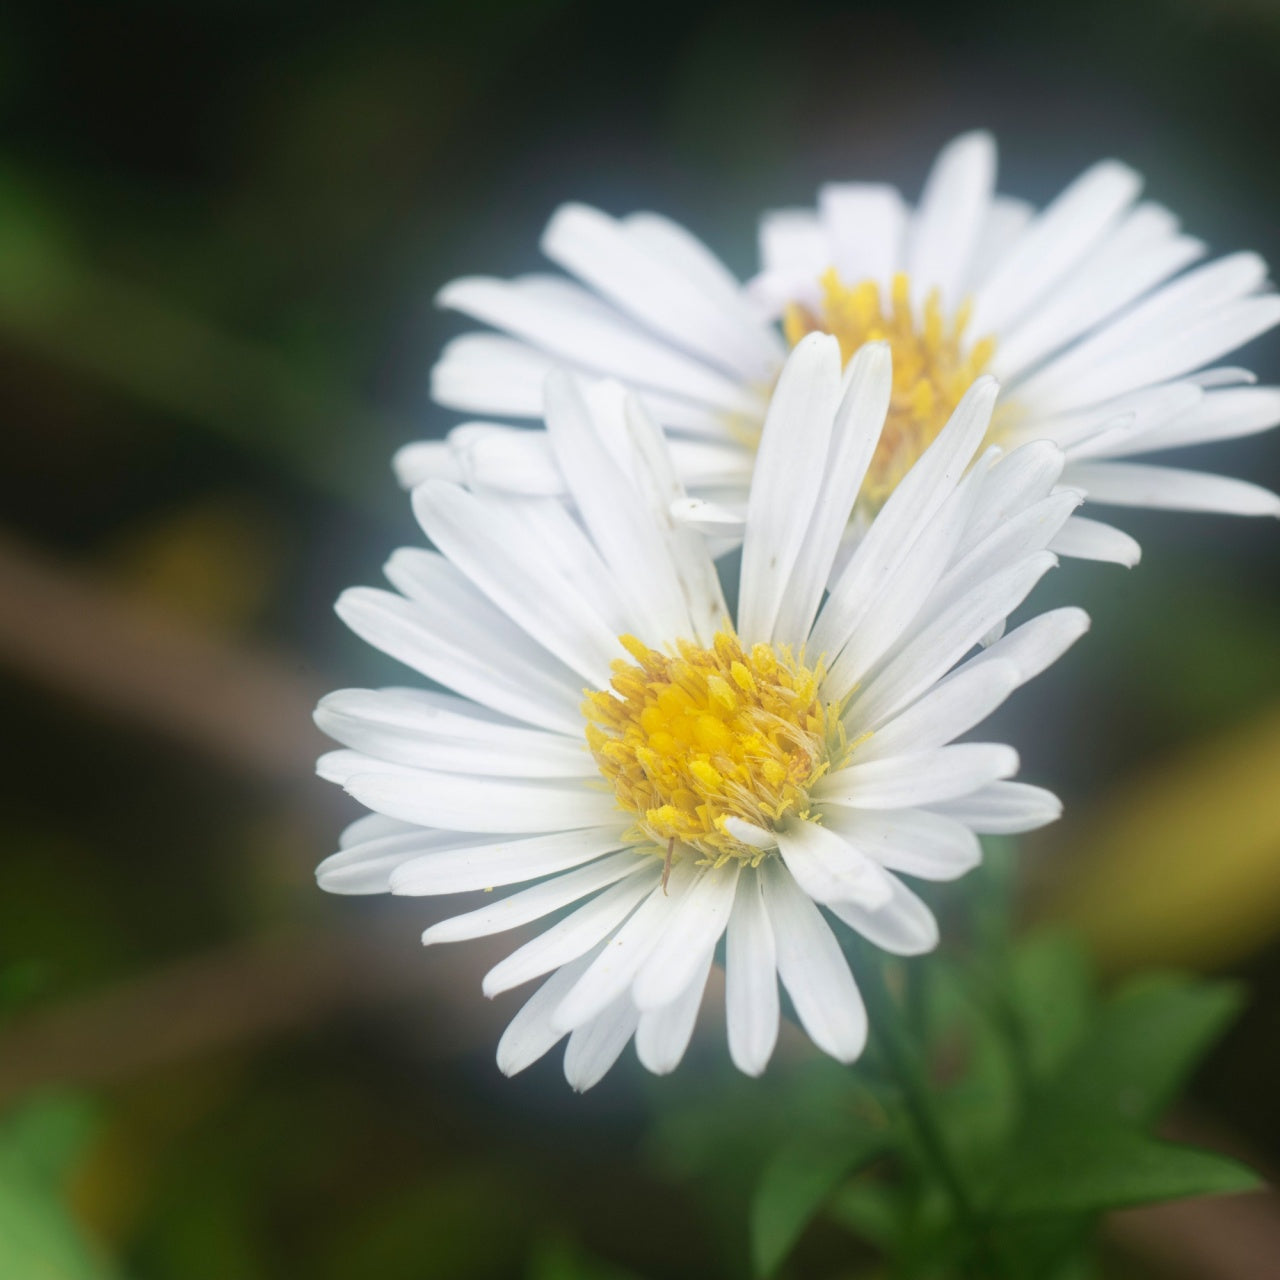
point(1090, 313)
point(667, 780)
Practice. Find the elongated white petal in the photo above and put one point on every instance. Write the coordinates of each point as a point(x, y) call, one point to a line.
point(751, 981)
point(865, 223)
point(812, 968)
point(474, 653)
point(1220, 415)
point(1086, 539)
point(931, 652)
point(481, 862)
point(619, 521)
point(699, 918)
point(950, 217)
point(570, 324)
point(540, 900)
point(618, 964)
point(661, 488)
point(575, 934)
point(372, 826)
point(1005, 808)
point(663, 1034)
point(438, 731)
point(858, 423)
point(903, 926)
point(481, 804)
point(915, 841)
point(830, 869)
point(910, 509)
point(922, 778)
point(367, 865)
point(530, 1035)
point(1132, 484)
point(785, 484)
point(1054, 243)
point(482, 540)
point(1036, 644)
point(659, 292)
point(1007, 218)
point(951, 708)
point(594, 1047)
point(1015, 482)
point(424, 459)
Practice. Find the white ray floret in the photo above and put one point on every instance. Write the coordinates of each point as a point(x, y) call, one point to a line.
point(695, 786)
point(1091, 312)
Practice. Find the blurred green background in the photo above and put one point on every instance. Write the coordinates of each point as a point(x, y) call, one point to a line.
point(221, 227)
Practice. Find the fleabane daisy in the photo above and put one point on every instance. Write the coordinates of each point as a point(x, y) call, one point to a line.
point(660, 774)
point(1085, 311)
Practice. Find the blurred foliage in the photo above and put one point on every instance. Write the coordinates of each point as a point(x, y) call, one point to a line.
point(221, 225)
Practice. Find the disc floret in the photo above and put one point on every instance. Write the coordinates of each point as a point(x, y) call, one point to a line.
point(694, 738)
point(932, 365)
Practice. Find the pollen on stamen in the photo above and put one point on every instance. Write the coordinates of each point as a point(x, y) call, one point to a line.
point(695, 737)
point(933, 366)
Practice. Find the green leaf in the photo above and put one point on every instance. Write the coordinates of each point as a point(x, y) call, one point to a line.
point(1141, 1048)
point(1076, 1169)
point(796, 1183)
point(1051, 990)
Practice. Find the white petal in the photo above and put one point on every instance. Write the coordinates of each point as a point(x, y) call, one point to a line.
point(930, 653)
point(659, 293)
point(828, 868)
point(1220, 415)
point(1005, 808)
point(925, 777)
point(751, 983)
point(1054, 242)
point(661, 488)
point(480, 862)
point(950, 216)
point(1037, 644)
point(910, 509)
point(422, 459)
point(511, 459)
point(438, 731)
point(695, 926)
point(366, 866)
point(465, 644)
point(572, 325)
point(530, 1034)
point(617, 966)
point(795, 250)
point(596, 1046)
point(1007, 219)
point(495, 805)
point(785, 483)
point(489, 373)
point(865, 224)
point(1129, 484)
point(915, 841)
point(859, 419)
point(1086, 539)
point(1022, 477)
point(620, 523)
point(812, 968)
point(372, 826)
point(516, 909)
point(663, 1034)
point(483, 540)
point(903, 926)
point(952, 707)
point(578, 932)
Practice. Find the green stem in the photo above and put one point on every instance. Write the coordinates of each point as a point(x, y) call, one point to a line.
point(899, 1056)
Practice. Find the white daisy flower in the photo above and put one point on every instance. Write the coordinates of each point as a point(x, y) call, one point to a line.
point(713, 779)
point(1084, 311)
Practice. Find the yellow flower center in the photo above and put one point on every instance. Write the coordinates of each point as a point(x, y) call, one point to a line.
point(691, 740)
point(932, 368)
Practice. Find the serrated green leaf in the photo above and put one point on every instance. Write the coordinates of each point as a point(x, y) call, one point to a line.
point(1075, 1169)
point(1141, 1048)
point(794, 1186)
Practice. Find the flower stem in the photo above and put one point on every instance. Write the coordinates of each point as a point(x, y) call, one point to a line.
point(900, 1058)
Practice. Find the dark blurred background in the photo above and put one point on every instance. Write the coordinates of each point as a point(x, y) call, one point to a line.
point(221, 227)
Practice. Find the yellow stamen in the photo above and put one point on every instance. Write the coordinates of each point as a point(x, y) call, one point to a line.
point(691, 739)
point(932, 366)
